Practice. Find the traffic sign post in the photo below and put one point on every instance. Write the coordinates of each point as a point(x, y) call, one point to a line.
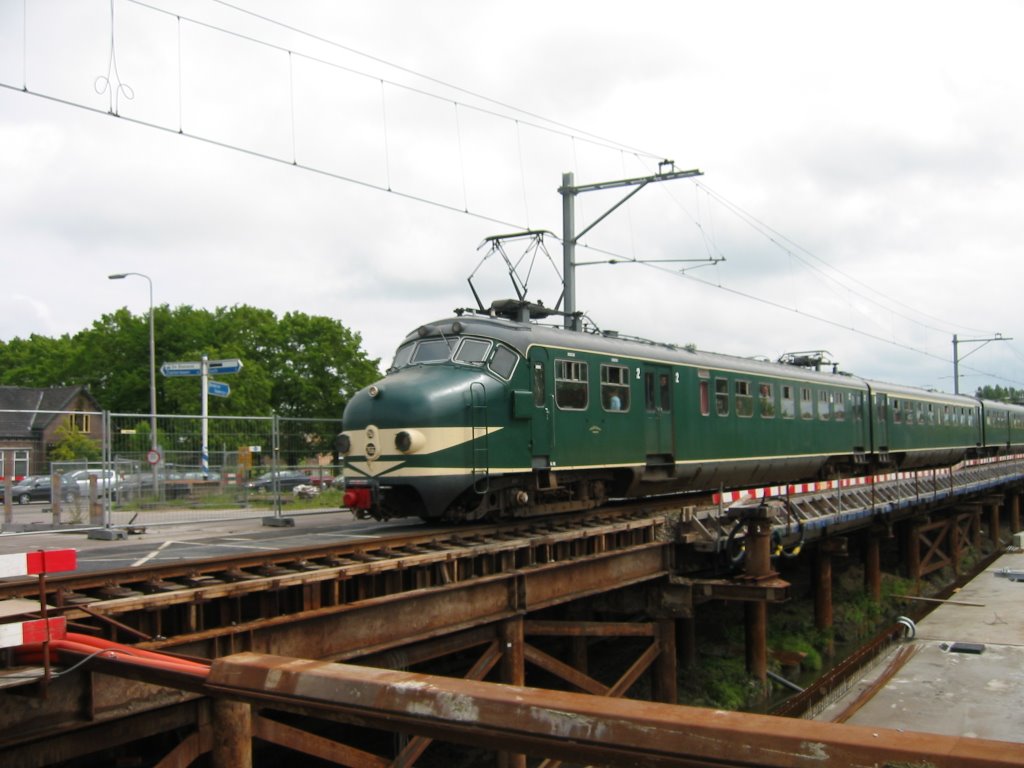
point(203, 368)
point(218, 388)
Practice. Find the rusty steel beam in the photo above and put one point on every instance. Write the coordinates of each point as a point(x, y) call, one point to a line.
point(380, 624)
point(579, 727)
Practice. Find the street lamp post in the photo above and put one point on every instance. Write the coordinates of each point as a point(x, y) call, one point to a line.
point(154, 457)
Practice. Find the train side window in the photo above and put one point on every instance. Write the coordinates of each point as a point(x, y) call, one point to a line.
point(614, 388)
point(571, 389)
point(766, 399)
point(722, 397)
point(788, 404)
point(839, 406)
point(857, 405)
point(806, 403)
point(897, 412)
point(665, 392)
point(705, 398)
point(503, 362)
point(744, 401)
point(921, 418)
point(880, 408)
point(824, 405)
point(540, 396)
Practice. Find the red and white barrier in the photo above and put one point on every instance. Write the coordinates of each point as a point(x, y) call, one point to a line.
point(35, 631)
point(35, 563)
point(731, 497)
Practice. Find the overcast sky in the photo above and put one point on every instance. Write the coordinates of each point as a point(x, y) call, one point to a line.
point(864, 167)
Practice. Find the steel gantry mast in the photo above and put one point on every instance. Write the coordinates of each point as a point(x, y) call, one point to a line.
point(568, 191)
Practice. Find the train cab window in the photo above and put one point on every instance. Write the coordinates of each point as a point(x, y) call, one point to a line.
point(473, 351)
point(744, 401)
point(806, 403)
point(615, 388)
point(503, 362)
point(434, 350)
point(722, 397)
point(705, 398)
point(766, 400)
point(788, 404)
point(571, 388)
point(824, 405)
point(402, 357)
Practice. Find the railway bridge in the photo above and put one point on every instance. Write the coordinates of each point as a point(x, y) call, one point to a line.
point(322, 650)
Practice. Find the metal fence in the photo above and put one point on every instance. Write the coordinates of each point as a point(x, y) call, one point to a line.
point(220, 467)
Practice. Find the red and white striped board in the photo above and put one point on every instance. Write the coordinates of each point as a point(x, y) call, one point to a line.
point(731, 497)
point(35, 631)
point(35, 563)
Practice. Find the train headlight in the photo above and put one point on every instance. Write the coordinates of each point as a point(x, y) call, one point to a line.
point(373, 391)
point(410, 441)
point(343, 443)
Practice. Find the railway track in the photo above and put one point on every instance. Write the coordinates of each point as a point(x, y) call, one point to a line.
point(166, 604)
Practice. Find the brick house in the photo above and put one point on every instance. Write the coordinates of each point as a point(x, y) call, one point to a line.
point(30, 418)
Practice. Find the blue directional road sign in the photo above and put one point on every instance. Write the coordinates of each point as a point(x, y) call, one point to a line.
point(231, 365)
point(187, 368)
point(218, 388)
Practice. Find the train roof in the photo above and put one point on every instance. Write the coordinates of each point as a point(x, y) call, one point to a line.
point(522, 335)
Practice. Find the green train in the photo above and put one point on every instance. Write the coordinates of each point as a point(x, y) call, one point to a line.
point(492, 417)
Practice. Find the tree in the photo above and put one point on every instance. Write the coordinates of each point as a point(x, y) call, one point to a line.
point(1000, 393)
point(73, 445)
point(297, 365)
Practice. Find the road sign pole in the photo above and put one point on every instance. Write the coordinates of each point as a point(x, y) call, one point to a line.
point(205, 385)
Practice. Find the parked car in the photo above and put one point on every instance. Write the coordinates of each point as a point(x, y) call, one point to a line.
point(105, 479)
point(286, 480)
point(37, 488)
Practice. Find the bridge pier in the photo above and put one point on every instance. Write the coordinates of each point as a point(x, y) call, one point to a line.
point(232, 726)
point(513, 672)
point(873, 564)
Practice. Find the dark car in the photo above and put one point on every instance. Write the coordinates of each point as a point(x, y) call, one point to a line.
point(37, 488)
point(286, 480)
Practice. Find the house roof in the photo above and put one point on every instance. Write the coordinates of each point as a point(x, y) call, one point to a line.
point(23, 410)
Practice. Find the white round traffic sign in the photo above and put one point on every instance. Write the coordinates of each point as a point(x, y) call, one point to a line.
point(153, 456)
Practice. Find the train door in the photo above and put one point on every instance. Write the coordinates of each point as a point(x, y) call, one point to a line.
point(658, 397)
point(541, 423)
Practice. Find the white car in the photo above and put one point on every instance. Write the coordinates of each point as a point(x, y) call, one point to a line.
point(106, 479)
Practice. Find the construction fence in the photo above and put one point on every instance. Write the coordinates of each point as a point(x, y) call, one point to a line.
point(196, 469)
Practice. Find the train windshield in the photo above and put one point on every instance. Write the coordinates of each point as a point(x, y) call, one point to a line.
point(460, 350)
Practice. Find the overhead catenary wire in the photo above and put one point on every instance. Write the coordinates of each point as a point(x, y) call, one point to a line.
point(794, 250)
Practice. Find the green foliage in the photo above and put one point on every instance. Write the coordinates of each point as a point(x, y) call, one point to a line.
point(1001, 393)
point(296, 365)
point(72, 444)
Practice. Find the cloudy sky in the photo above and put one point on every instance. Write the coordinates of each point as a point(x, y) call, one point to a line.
point(863, 167)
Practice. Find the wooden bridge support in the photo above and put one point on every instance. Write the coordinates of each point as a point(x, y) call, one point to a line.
point(758, 566)
point(823, 618)
point(873, 565)
point(232, 728)
point(513, 672)
point(993, 507)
